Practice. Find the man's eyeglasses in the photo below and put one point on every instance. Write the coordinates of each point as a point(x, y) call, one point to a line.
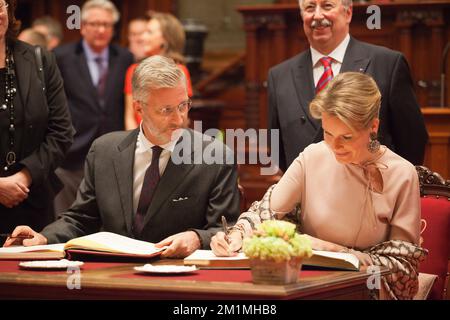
point(3, 6)
point(98, 25)
point(183, 107)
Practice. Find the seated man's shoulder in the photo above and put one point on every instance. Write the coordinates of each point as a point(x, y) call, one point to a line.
point(112, 138)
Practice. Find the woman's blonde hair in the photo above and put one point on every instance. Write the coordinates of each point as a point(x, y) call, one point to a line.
point(173, 33)
point(353, 97)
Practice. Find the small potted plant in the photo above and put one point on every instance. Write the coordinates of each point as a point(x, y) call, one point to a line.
point(276, 252)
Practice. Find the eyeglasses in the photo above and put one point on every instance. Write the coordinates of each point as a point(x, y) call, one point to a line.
point(98, 25)
point(183, 107)
point(3, 5)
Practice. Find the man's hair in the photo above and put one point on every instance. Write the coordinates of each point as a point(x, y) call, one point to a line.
point(353, 97)
point(33, 37)
point(346, 3)
point(155, 72)
point(102, 4)
point(53, 26)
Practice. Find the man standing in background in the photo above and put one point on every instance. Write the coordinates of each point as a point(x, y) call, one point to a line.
point(93, 71)
point(293, 84)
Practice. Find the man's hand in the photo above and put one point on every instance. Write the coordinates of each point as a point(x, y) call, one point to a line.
point(34, 240)
point(225, 246)
point(180, 245)
point(14, 189)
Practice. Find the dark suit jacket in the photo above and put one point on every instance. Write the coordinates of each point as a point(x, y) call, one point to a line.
point(89, 118)
point(105, 197)
point(291, 89)
point(43, 138)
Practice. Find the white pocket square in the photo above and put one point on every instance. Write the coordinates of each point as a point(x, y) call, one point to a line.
point(180, 199)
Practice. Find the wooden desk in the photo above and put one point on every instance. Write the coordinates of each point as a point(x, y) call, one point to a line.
point(120, 281)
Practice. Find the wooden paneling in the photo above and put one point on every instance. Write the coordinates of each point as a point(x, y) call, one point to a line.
point(29, 10)
point(275, 33)
point(437, 155)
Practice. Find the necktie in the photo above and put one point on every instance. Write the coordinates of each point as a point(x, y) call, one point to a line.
point(151, 180)
point(102, 74)
point(327, 74)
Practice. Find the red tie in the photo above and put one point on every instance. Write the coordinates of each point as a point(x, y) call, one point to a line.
point(327, 74)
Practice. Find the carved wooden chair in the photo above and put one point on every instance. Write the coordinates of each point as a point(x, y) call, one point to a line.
point(435, 203)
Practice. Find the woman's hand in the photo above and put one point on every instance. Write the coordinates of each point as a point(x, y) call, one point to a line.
point(323, 245)
point(225, 246)
point(12, 191)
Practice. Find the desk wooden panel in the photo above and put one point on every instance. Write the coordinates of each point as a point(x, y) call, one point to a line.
point(120, 281)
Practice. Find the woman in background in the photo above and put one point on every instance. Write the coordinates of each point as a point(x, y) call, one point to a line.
point(164, 36)
point(347, 193)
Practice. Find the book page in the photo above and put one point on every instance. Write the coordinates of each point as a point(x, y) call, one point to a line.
point(114, 243)
point(350, 258)
point(59, 247)
point(210, 256)
point(49, 251)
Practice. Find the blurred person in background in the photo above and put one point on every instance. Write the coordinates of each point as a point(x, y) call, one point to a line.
point(93, 70)
point(51, 29)
point(164, 36)
point(33, 37)
point(136, 28)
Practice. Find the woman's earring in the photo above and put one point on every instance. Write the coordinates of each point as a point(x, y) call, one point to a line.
point(374, 144)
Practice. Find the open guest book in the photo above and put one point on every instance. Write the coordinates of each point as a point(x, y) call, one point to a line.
point(324, 259)
point(97, 244)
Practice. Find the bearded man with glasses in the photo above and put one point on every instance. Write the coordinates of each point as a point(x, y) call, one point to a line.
point(134, 185)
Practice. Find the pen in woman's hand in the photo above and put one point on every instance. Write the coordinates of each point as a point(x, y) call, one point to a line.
point(225, 229)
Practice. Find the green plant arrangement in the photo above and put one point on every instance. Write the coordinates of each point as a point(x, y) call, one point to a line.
point(276, 251)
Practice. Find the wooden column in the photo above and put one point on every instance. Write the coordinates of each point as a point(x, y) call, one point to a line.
point(251, 26)
point(437, 154)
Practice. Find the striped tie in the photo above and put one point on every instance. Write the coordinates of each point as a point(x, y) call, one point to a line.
point(327, 74)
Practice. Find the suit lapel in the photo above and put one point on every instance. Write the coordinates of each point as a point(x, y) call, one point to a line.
point(302, 75)
point(123, 166)
point(112, 76)
point(355, 59)
point(24, 66)
point(83, 70)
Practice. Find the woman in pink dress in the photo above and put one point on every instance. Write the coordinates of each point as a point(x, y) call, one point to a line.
point(347, 193)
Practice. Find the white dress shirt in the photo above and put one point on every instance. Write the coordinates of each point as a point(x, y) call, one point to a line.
point(142, 160)
point(337, 55)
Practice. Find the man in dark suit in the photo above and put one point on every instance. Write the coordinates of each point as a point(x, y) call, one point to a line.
point(183, 201)
point(93, 71)
point(293, 84)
